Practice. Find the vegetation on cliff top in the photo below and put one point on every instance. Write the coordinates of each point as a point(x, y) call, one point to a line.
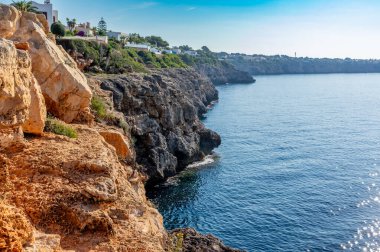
point(282, 64)
point(113, 58)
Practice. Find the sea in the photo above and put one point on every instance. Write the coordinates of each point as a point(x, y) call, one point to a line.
point(298, 168)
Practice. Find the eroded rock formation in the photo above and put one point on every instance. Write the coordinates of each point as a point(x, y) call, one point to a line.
point(21, 103)
point(163, 109)
point(78, 191)
point(63, 85)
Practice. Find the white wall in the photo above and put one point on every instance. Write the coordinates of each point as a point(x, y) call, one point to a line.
point(48, 9)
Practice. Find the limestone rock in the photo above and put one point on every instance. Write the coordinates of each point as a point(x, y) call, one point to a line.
point(15, 81)
point(21, 102)
point(79, 197)
point(163, 110)
point(37, 113)
point(15, 229)
point(117, 140)
point(9, 18)
point(63, 85)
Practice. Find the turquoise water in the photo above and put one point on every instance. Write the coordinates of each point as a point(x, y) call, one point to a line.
point(298, 169)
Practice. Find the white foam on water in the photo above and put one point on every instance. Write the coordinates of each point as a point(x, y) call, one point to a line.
point(206, 161)
point(173, 181)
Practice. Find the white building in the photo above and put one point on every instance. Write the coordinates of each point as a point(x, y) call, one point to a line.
point(98, 39)
point(116, 35)
point(47, 9)
point(138, 47)
point(191, 53)
point(155, 51)
point(85, 28)
point(176, 51)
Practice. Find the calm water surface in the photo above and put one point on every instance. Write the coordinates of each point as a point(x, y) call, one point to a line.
point(298, 169)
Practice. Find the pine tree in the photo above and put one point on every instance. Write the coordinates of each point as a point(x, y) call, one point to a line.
point(102, 27)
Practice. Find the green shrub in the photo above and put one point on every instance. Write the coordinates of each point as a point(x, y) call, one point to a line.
point(69, 34)
point(58, 29)
point(60, 128)
point(98, 107)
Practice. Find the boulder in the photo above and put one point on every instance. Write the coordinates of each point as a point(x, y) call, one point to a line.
point(117, 140)
point(63, 85)
point(37, 113)
point(21, 102)
point(9, 18)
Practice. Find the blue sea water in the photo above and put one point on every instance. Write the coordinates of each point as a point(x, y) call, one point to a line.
point(298, 169)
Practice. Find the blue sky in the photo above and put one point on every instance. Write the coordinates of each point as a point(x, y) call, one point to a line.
point(315, 28)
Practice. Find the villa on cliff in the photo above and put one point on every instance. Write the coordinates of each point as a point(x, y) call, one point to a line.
point(117, 35)
point(85, 28)
point(47, 9)
point(138, 47)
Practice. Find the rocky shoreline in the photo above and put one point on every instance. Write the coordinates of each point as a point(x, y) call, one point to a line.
point(163, 109)
point(224, 73)
point(84, 191)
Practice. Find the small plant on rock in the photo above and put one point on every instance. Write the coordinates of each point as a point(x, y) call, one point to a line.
point(98, 107)
point(60, 128)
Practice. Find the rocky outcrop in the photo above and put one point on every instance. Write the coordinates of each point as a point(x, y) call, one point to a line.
point(61, 194)
point(37, 112)
point(76, 195)
point(21, 103)
point(64, 87)
point(163, 109)
point(223, 73)
point(188, 239)
point(118, 141)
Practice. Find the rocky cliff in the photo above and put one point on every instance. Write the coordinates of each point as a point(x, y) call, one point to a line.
point(84, 193)
point(163, 109)
point(59, 193)
point(63, 85)
point(223, 73)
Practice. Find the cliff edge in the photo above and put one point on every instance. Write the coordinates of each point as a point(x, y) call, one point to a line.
point(82, 191)
point(59, 193)
point(164, 109)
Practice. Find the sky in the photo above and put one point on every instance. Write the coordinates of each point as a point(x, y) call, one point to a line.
point(310, 28)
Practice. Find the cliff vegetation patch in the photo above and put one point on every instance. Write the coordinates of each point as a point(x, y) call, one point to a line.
point(60, 128)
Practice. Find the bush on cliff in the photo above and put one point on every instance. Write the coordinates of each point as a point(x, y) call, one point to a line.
point(113, 58)
point(101, 113)
point(98, 107)
point(58, 29)
point(60, 128)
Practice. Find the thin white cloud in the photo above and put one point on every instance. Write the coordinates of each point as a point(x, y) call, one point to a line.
point(140, 6)
point(145, 5)
point(192, 8)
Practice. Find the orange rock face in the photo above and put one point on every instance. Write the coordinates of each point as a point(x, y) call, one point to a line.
point(21, 100)
point(22, 46)
point(117, 140)
point(78, 191)
point(63, 85)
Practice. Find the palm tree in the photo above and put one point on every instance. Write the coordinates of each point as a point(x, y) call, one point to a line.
point(71, 23)
point(25, 6)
